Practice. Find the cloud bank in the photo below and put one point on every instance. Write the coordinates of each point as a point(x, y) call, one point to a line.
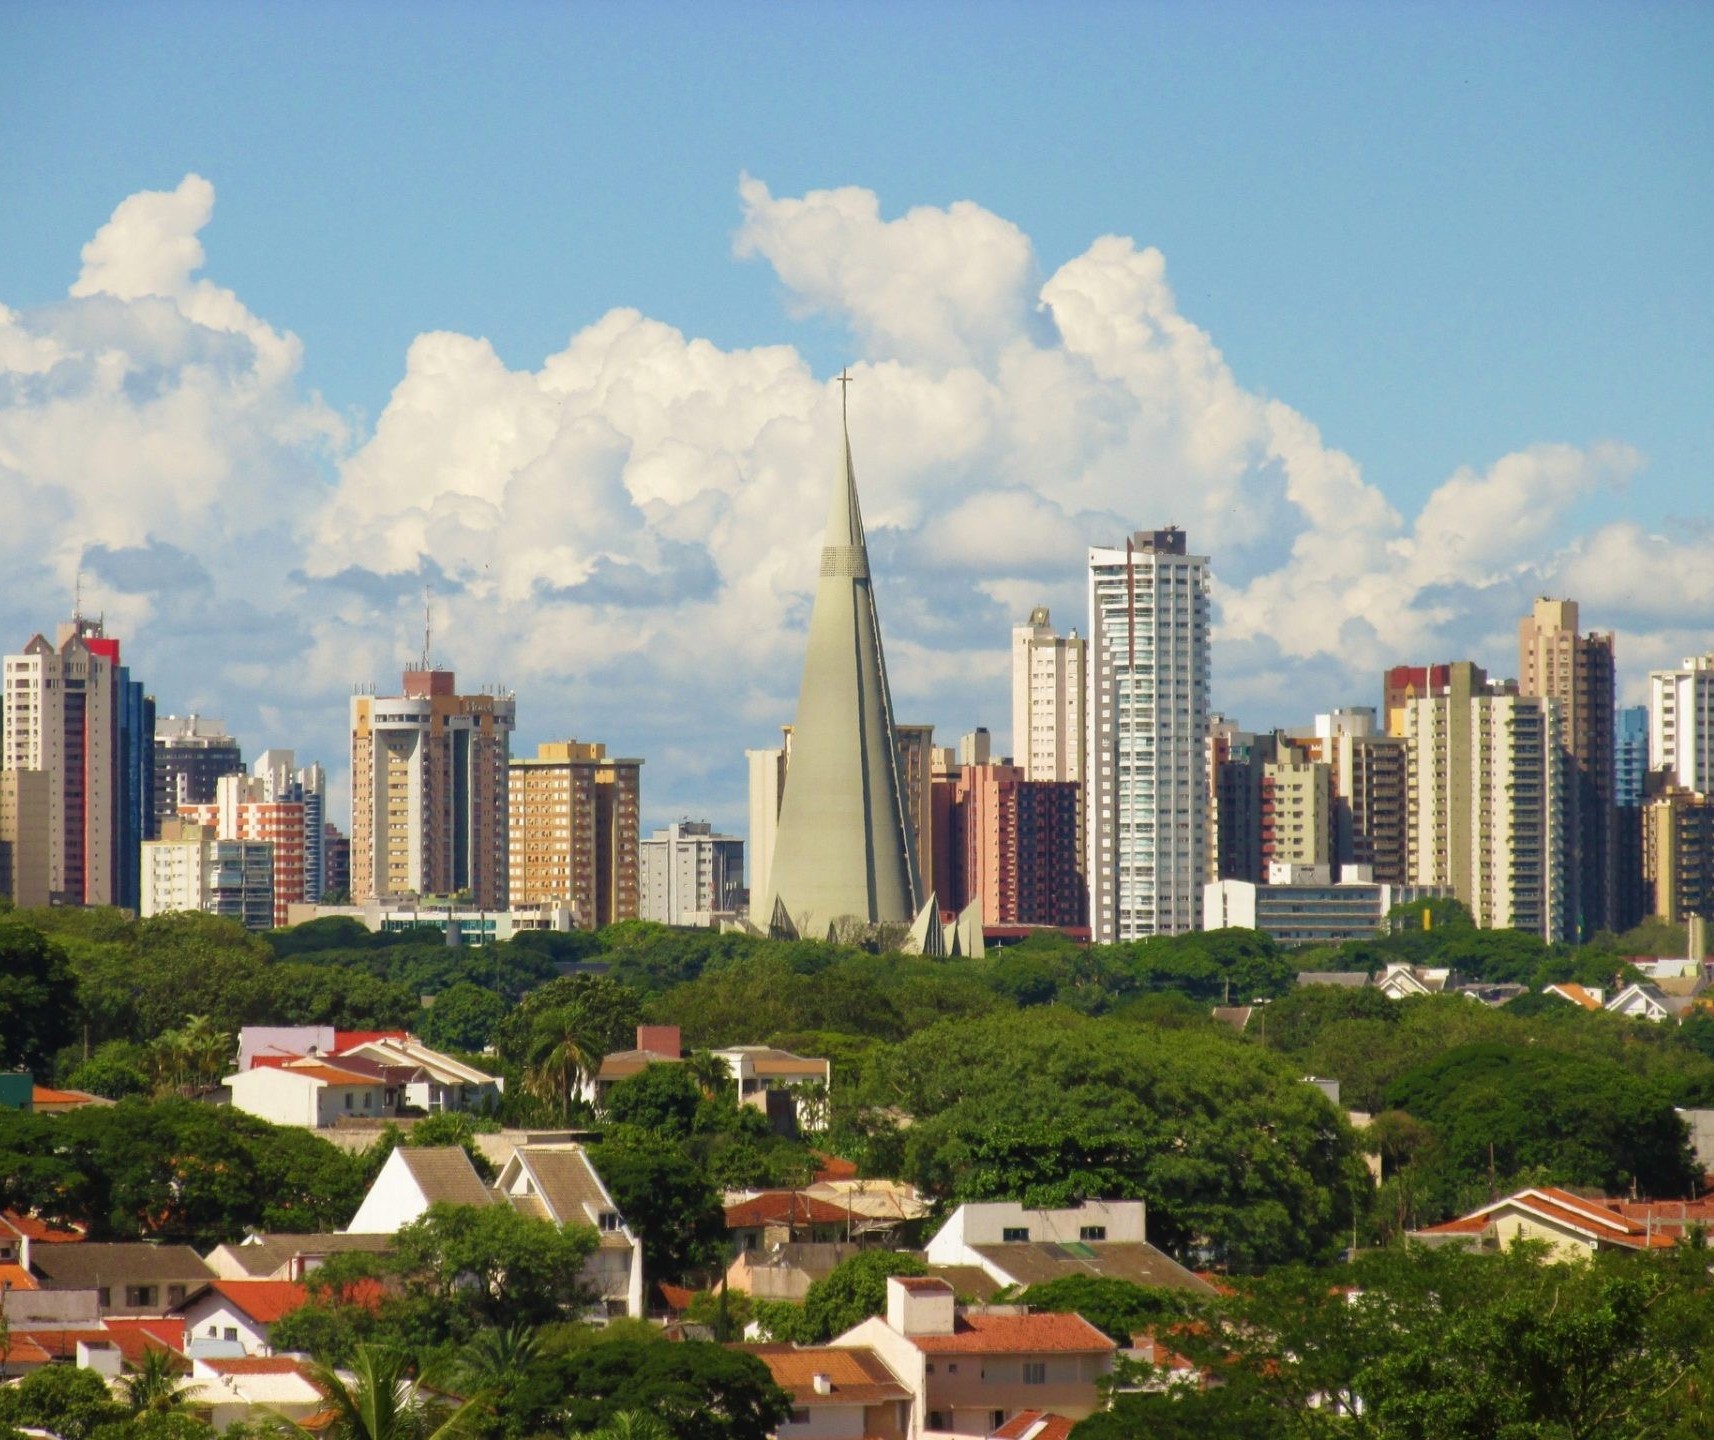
point(627, 535)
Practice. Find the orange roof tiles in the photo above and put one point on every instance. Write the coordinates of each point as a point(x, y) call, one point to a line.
point(16, 1277)
point(1035, 1425)
point(858, 1375)
point(41, 1231)
point(255, 1365)
point(1016, 1335)
point(330, 1076)
point(263, 1300)
point(784, 1207)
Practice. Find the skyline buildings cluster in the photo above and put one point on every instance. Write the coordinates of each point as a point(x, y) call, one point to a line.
point(1532, 800)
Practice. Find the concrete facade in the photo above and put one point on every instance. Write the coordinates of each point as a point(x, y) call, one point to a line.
point(428, 791)
point(690, 874)
point(1147, 717)
point(573, 831)
point(25, 837)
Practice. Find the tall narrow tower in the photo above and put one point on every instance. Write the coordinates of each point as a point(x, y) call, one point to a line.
point(843, 849)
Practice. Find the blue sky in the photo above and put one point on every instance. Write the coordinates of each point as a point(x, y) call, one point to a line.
point(1443, 234)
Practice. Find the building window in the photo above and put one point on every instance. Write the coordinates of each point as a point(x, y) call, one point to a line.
point(1092, 1232)
point(137, 1296)
point(231, 1332)
point(996, 1419)
point(800, 1417)
point(1015, 1234)
point(1035, 1372)
point(609, 1221)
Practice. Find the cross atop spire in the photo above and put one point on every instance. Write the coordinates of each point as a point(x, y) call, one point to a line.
point(844, 380)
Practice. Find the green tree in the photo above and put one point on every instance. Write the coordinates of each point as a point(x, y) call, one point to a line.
point(661, 1098)
point(852, 1291)
point(488, 1266)
point(700, 1391)
point(1116, 1307)
point(383, 1400)
point(38, 1002)
point(156, 1384)
point(666, 1199)
point(116, 1071)
point(68, 1402)
point(463, 1017)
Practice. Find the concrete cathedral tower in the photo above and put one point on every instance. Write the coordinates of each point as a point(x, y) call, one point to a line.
point(843, 848)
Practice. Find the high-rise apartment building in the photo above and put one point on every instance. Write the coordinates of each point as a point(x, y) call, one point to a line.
point(1488, 803)
point(335, 861)
point(1371, 791)
point(190, 868)
point(191, 753)
point(690, 874)
point(1012, 844)
point(1404, 683)
point(73, 711)
point(428, 791)
point(241, 810)
point(1235, 761)
point(1681, 723)
point(573, 831)
point(24, 837)
point(1630, 772)
point(916, 762)
point(1559, 663)
point(283, 781)
point(1678, 854)
point(1147, 717)
point(1050, 678)
point(1297, 812)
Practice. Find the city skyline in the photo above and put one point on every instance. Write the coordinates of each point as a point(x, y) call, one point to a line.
point(259, 482)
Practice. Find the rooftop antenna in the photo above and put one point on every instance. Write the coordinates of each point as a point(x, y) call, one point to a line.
point(428, 624)
point(77, 597)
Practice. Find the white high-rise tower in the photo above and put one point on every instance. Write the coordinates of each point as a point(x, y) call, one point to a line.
point(1147, 715)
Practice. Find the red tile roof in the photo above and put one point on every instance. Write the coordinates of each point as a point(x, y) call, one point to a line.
point(1035, 1425)
point(330, 1076)
point(264, 1301)
point(783, 1207)
point(42, 1095)
point(857, 1375)
point(349, 1039)
point(1016, 1335)
point(833, 1167)
point(675, 1297)
point(41, 1231)
point(16, 1277)
point(255, 1365)
point(1630, 1224)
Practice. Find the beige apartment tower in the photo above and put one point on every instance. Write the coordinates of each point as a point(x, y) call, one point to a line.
point(428, 791)
point(25, 832)
point(1050, 675)
point(575, 813)
point(1557, 662)
point(1487, 802)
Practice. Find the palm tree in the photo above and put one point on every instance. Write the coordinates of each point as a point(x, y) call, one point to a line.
point(207, 1051)
point(630, 1425)
point(561, 1058)
point(156, 1386)
point(494, 1364)
point(710, 1073)
point(382, 1400)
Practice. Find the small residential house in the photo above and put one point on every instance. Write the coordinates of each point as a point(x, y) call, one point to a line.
point(1645, 1000)
point(656, 1044)
point(760, 1071)
point(837, 1393)
point(46, 1101)
point(1035, 1425)
point(127, 1279)
point(432, 1082)
point(286, 1257)
point(1401, 981)
point(253, 1388)
point(1584, 997)
point(786, 1271)
point(413, 1178)
point(765, 1218)
point(239, 1311)
point(311, 1093)
point(1346, 979)
point(1572, 1225)
point(558, 1183)
point(970, 1371)
point(1013, 1245)
point(273, 1044)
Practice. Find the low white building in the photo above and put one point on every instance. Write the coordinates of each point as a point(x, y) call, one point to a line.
point(1307, 905)
point(311, 1093)
point(558, 1183)
point(252, 1388)
point(439, 1083)
point(242, 1312)
point(189, 869)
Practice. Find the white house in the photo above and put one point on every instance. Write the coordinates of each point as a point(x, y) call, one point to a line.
point(252, 1388)
point(1013, 1245)
point(309, 1093)
point(415, 1177)
point(1643, 1001)
point(970, 1371)
point(1402, 981)
point(239, 1311)
point(557, 1182)
point(438, 1082)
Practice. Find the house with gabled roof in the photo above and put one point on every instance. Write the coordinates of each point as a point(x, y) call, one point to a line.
point(837, 1392)
point(1584, 997)
point(558, 1183)
point(1015, 1245)
point(760, 1219)
point(413, 1178)
point(1570, 1225)
point(433, 1082)
point(1035, 1425)
point(1644, 1000)
point(969, 1371)
point(1400, 981)
point(127, 1278)
point(286, 1257)
point(315, 1094)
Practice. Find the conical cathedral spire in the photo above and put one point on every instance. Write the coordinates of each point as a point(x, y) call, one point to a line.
point(843, 849)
